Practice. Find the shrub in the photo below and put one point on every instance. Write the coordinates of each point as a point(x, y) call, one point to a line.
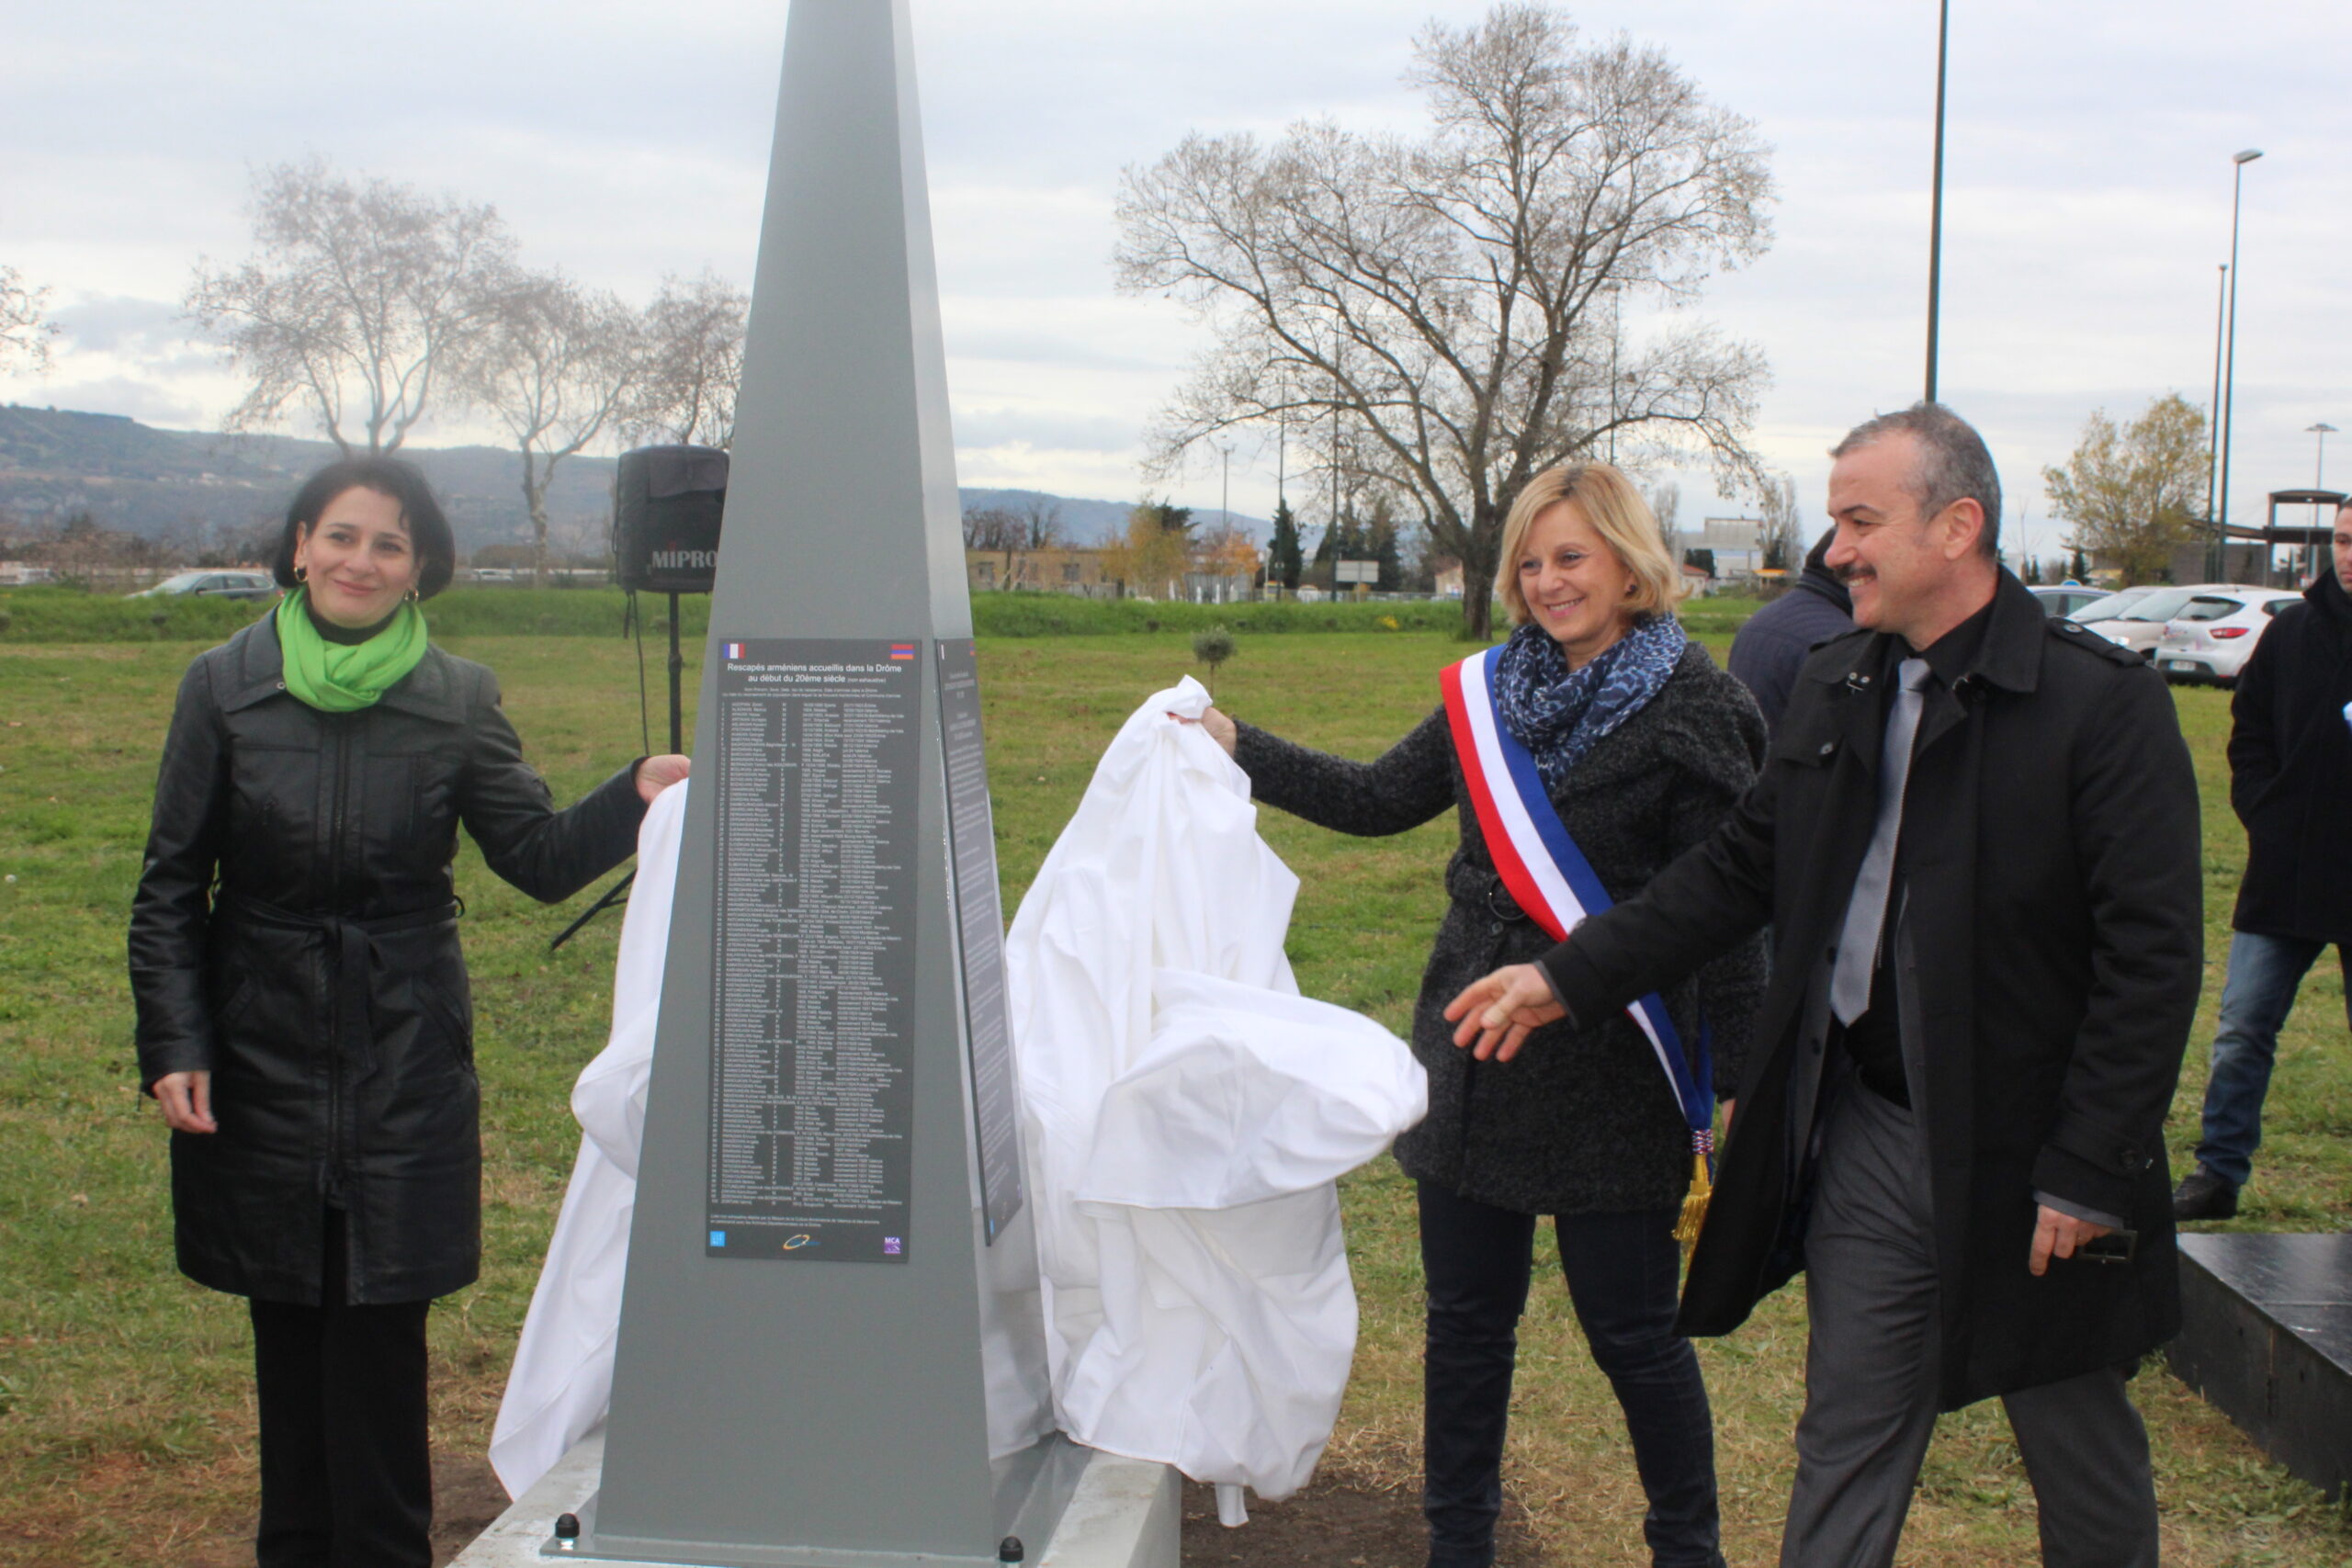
point(1212, 647)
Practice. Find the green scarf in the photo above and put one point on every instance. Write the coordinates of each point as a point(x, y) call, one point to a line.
point(338, 678)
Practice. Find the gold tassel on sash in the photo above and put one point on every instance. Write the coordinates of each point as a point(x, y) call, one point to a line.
point(1694, 1202)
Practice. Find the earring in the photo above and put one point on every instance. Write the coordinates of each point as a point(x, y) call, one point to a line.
point(301, 574)
point(414, 597)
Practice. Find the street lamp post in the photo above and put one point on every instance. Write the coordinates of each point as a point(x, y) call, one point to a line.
point(2213, 407)
point(1225, 489)
point(1935, 199)
point(2319, 481)
point(2230, 365)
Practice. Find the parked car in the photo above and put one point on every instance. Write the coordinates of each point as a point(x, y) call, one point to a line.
point(211, 585)
point(2109, 607)
point(2214, 632)
point(2066, 598)
point(2140, 626)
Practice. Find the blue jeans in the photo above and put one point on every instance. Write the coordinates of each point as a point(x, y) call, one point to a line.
point(2257, 996)
point(1623, 1273)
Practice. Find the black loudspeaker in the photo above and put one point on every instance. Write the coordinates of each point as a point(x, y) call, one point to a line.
point(667, 502)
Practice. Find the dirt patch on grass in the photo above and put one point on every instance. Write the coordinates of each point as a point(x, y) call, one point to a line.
point(1336, 1522)
point(467, 1500)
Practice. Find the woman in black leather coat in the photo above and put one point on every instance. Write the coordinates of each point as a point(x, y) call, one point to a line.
point(304, 1015)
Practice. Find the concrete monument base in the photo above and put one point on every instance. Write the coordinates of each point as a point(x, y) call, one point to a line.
point(1123, 1514)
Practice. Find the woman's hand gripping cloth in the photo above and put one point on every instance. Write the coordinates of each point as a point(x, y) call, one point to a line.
point(1186, 1114)
point(561, 1382)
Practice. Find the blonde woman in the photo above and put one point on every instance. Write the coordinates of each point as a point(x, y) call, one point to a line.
point(1601, 719)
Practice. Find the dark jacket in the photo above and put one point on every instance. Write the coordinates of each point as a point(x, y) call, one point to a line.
point(2290, 760)
point(319, 980)
point(1583, 1122)
point(1773, 644)
point(2051, 953)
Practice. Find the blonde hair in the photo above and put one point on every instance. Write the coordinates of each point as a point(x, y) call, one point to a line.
point(1607, 501)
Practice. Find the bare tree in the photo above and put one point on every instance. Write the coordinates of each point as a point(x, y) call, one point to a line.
point(1040, 523)
point(1780, 542)
point(1440, 314)
point(990, 528)
point(360, 296)
point(26, 329)
point(1665, 504)
point(556, 366)
point(694, 362)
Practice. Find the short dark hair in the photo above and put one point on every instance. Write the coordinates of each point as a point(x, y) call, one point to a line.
point(1953, 463)
point(429, 528)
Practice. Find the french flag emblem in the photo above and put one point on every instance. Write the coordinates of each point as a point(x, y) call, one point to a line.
point(734, 650)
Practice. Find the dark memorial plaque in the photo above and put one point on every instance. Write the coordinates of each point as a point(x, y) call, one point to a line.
point(979, 925)
point(814, 962)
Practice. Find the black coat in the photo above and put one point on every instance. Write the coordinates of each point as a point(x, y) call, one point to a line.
point(2051, 954)
point(1583, 1121)
point(2291, 759)
point(1773, 644)
point(320, 982)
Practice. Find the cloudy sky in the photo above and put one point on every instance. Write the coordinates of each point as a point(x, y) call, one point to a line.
point(2087, 207)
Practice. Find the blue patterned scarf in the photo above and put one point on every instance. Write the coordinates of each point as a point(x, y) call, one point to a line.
point(1560, 714)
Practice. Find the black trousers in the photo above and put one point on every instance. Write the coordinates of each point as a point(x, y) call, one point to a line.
point(346, 1471)
point(1624, 1277)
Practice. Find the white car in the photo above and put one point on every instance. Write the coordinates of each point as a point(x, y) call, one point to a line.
point(213, 585)
point(2066, 598)
point(2108, 607)
point(2210, 637)
point(2139, 626)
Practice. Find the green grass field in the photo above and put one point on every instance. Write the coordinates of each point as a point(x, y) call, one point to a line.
point(126, 1422)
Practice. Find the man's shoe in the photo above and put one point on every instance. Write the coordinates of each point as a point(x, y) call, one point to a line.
point(2202, 1195)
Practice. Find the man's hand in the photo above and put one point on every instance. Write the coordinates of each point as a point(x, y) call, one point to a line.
point(187, 1101)
point(1499, 1012)
point(2057, 1236)
point(657, 774)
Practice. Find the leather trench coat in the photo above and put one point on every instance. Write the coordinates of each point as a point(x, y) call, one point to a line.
point(2052, 951)
point(295, 933)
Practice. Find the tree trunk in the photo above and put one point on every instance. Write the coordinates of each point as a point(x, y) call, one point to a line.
point(535, 498)
point(1485, 541)
point(1477, 601)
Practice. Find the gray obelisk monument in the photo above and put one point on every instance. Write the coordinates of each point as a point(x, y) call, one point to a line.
point(831, 1347)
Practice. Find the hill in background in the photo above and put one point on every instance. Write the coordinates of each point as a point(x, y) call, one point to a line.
point(201, 486)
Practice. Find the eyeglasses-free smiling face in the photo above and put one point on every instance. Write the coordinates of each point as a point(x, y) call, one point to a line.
point(1901, 568)
point(1574, 586)
point(357, 560)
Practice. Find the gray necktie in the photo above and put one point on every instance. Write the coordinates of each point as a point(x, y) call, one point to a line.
point(1849, 983)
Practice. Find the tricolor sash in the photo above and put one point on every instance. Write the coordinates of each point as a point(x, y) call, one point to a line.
point(1551, 882)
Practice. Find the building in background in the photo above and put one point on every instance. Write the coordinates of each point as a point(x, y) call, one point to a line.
point(1737, 545)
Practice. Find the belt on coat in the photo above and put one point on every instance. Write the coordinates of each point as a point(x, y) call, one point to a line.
point(1468, 883)
point(353, 940)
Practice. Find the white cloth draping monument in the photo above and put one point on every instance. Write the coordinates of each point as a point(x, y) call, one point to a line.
point(1185, 1114)
point(561, 1382)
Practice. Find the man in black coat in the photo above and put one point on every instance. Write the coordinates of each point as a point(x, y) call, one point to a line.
point(1773, 644)
point(2290, 758)
point(1988, 944)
